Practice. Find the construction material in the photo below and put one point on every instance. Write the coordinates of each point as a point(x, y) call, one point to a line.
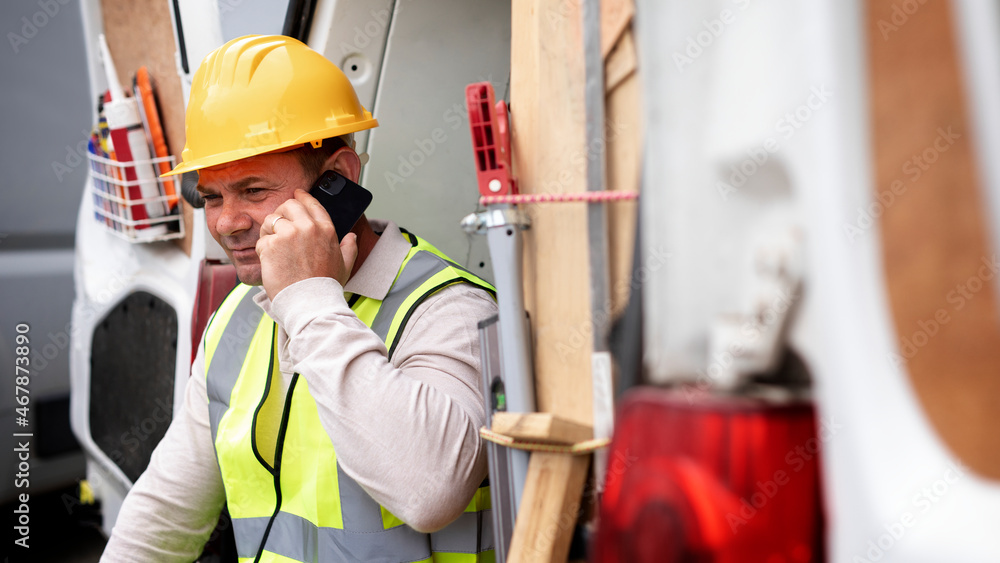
point(616, 20)
point(621, 64)
point(551, 507)
point(549, 147)
point(579, 448)
point(624, 156)
point(540, 427)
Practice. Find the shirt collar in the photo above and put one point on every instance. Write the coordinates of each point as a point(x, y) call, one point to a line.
point(378, 272)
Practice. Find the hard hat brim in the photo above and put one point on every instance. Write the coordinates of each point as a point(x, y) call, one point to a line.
point(248, 152)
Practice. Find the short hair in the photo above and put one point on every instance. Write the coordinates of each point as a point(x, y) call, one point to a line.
point(312, 159)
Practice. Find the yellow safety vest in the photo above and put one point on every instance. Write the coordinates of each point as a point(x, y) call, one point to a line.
point(288, 497)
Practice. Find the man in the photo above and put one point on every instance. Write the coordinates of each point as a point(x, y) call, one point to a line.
point(335, 412)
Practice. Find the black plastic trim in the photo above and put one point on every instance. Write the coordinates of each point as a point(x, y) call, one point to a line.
point(298, 19)
point(181, 46)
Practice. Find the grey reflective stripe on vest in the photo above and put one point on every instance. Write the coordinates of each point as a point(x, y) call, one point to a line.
point(461, 535)
point(360, 512)
point(229, 356)
point(296, 538)
point(419, 269)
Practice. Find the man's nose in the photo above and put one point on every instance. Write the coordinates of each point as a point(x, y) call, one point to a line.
point(233, 218)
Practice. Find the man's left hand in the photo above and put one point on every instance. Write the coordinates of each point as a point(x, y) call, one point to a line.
point(298, 242)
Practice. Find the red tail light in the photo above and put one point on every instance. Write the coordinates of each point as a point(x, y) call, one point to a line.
point(709, 479)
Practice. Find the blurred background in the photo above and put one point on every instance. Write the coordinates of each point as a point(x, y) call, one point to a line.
point(823, 175)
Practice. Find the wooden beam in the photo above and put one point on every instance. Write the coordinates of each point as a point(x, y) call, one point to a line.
point(549, 153)
point(621, 61)
point(549, 509)
point(540, 427)
point(616, 17)
point(624, 142)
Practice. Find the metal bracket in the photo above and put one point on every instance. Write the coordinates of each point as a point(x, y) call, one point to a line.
point(479, 223)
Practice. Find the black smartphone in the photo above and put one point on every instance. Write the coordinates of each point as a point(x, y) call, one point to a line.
point(344, 200)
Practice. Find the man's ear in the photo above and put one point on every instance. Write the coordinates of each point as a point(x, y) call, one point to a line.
point(345, 162)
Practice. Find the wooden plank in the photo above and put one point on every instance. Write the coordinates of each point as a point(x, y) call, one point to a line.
point(550, 508)
point(621, 61)
point(934, 234)
point(616, 17)
point(140, 34)
point(624, 141)
point(548, 142)
point(540, 427)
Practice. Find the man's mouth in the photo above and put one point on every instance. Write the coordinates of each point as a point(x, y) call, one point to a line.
point(244, 254)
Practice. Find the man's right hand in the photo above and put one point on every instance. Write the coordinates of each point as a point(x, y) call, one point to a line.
point(298, 241)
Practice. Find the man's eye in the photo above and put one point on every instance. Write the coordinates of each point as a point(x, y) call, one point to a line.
point(210, 197)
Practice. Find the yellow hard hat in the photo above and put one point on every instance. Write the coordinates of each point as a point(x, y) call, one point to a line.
point(262, 93)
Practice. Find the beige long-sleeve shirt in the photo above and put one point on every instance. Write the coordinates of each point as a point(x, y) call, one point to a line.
point(405, 430)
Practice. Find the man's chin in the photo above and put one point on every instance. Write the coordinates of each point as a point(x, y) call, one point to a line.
point(249, 274)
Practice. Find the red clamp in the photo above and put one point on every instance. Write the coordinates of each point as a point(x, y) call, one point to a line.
point(490, 130)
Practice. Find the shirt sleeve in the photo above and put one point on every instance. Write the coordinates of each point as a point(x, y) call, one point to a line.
point(407, 430)
point(173, 507)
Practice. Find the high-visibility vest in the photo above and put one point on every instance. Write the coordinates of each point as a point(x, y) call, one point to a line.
point(288, 497)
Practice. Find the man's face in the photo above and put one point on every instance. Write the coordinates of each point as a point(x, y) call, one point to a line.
point(238, 195)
